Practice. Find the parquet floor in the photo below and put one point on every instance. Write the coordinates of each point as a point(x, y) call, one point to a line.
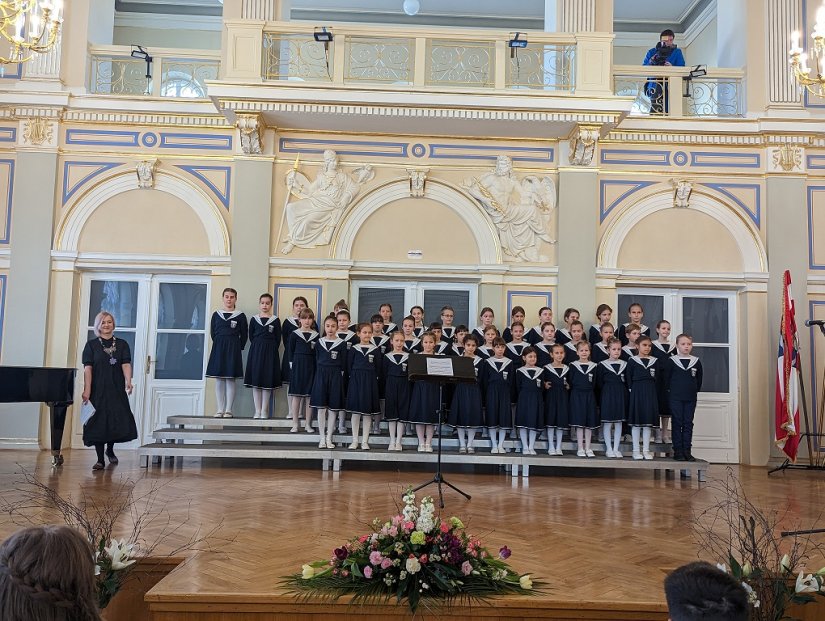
point(593, 537)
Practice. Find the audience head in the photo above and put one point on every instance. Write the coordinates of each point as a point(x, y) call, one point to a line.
point(701, 592)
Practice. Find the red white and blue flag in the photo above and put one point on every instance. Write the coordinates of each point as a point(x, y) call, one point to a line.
point(787, 376)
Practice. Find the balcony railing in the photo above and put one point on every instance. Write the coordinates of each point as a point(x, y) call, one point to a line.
point(174, 73)
point(669, 91)
point(452, 61)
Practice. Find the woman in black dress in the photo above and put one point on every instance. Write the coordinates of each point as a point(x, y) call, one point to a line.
point(107, 384)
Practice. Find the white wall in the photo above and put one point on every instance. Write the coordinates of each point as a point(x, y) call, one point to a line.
point(185, 39)
point(702, 49)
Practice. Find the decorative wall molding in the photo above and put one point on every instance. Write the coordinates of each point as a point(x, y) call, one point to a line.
point(77, 174)
point(9, 166)
point(217, 178)
point(127, 138)
point(730, 190)
point(631, 188)
point(3, 279)
point(547, 300)
point(120, 117)
point(814, 262)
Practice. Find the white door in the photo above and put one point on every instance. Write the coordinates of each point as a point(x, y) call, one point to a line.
point(163, 320)
point(367, 297)
point(709, 317)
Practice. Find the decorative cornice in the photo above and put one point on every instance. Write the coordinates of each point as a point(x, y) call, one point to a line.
point(674, 138)
point(140, 118)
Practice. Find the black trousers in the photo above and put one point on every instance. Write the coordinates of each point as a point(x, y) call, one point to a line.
point(682, 413)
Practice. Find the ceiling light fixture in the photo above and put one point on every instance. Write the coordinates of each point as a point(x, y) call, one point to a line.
point(411, 7)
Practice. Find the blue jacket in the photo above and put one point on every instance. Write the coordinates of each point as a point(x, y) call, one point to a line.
point(676, 58)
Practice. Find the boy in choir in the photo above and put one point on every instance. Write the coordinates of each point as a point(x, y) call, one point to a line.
point(543, 347)
point(576, 334)
point(635, 314)
point(395, 388)
point(611, 390)
point(263, 368)
point(301, 349)
point(344, 333)
point(630, 349)
point(643, 409)
point(229, 331)
point(327, 395)
point(662, 350)
point(466, 412)
point(603, 315)
point(600, 351)
point(288, 326)
point(363, 362)
point(385, 310)
point(535, 334)
point(556, 399)
point(584, 417)
point(516, 347)
point(447, 327)
point(683, 378)
point(516, 316)
point(529, 389)
point(498, 378)
point(563, 334)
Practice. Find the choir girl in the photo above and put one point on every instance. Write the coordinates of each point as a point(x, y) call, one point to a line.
point(497, 382)
point(301, 349)
point(611, 388)
point(466, 413)
point(447, 327)
point(412, 344)
point(288, 326)
point(663, 349)
point(516, 347)
point(576, 334)
point(327, 395)
point(229, 331)
point(556, 399)
point(461, 333)
point(529, 388)
point(516, 316)
point(632, 334)
point(441, 346)
point(489, 335)
point(424, 402)
point(344, 332)
point(563, 334)
point(635, 314)
point(643, 409)
point(603, 315)
point(263, 368)
point(363, 362)
point(545, 316)
point(379, 338)
point(683, 377)
point(385, 310)
point(583, 416)
point(600, 350)
point(395, 390)
point(486, 319)
point(543, 347)
point(417, 313)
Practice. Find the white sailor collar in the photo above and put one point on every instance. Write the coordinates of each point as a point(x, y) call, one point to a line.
point(642, 326)
point(571, 345)
point(302, 335)
point(419, 331)
point(660, 346)
point(346, 335)
point(392, 356)
point(295, 321)
point(590, 366)
point(602, 346)
point(330, 344)
point(558, 372)
point(537, 329)
point(629, 350)
point(459, 349)
point(565, 332)
point(544, 347)
point(269, 320)
point(531, 372)
point(384, 338)
point(390, 327)
point(517, 348)
point(651, 360)
point(369, 348)
point(441, 346)
point(414, 342)
point(608, 364)
point(692, 360)
point(448, 331)
point(232, 314)
point(596, 326)
point(493, 362)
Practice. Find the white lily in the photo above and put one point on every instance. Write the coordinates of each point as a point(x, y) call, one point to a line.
point(525, 582)
point(307, 572)
point(785, 563)
point(807, 584)
point(747, 569)
point(120, 552)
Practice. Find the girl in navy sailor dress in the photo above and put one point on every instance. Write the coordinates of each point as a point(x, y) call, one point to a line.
point(466, 413)
point(288, 326)
point(599, 351)
point(263, 367)
point(229, 330)
point(396, 390)
point(635, 314)
point(643, 409)
point(301, 349)
point(563, 335)
point(417, 313)
point(424, 403)
point(583, 415)
point(662, 350)
point(529, 402)
point(363, 363)
point(556, 400)
point(487, 318)
point(603, 315)
point(498, 378)
point(327, 395)
point(611, 388)
point(545, 345)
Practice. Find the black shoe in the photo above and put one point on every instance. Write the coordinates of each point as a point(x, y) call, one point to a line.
point(99, 466)
point(689, 457)
point(679, 457)
point(112, 457)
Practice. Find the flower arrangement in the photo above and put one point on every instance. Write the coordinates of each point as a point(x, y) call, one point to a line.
point(745, 541)
point(112, 566)
point(413, 556)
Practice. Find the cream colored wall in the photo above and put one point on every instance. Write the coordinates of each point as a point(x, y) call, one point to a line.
point(702, 49)
point(679, 240)
point(159, 37)
point(144, 222)
point(631, 55)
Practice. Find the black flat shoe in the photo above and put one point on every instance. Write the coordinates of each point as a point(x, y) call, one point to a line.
point(679, 457)
point(112, 458)
point(99, 466)
point(690, 457)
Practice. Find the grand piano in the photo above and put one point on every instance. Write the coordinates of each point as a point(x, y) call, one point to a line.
point(52, 386)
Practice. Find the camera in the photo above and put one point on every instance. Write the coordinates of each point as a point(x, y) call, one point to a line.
point(663, 52)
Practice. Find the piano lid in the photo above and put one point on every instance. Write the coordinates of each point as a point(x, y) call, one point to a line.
point(36, 384)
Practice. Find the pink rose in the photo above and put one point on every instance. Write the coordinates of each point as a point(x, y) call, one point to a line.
point(423, 559)
point(363, 538)
point(408, 526)
point(367, 572)
point(466, 568)
point(345, 573)
point(394, 531)
point(376, 557)
point(386, 563)
point(445, 528)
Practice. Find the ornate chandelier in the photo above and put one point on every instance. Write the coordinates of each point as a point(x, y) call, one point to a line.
point(30, 27)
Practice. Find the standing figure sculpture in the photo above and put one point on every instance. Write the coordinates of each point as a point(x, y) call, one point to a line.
point(520, 210)
point(311, 220)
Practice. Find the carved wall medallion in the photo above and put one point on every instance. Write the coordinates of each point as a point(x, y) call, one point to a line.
point(37, 131)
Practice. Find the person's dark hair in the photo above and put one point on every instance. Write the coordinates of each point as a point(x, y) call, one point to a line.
point(47, 573)
point(268, 296)
point(701, 592)
point(473, 338)
point(436, 325)
point(229, 290)
point(376, 318)
point(667, 33)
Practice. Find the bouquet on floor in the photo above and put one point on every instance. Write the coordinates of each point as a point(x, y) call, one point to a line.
point(415, 557)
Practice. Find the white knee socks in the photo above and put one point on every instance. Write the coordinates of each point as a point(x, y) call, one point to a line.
point(645, 440)
point(356, 427)
point(502, 434)
point(462, 438)
point(330, 428)
point(322, 427)
point(636, 432)
point(608, 439)
point(257, 398)
point(471, 435)
point(266, 399)
point(230, 394)
point(531, 441)
point(296, 405)
point(525, 445)
point(220, 394)
point(342, 424)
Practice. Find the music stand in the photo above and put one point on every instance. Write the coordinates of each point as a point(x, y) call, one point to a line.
point(440, 370)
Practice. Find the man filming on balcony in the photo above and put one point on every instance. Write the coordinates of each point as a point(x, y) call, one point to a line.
point(665, 54)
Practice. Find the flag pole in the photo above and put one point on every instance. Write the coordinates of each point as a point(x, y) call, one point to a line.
point(805, 406)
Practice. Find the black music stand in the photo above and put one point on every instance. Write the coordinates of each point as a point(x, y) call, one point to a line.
point(440, 370)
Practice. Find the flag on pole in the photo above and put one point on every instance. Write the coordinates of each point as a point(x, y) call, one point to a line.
point(787, 376)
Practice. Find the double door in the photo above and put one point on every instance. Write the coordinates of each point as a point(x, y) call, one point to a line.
point(368, 296)
point(165, 320)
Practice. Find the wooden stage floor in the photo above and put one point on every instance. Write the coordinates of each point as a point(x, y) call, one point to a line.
point(592, 535)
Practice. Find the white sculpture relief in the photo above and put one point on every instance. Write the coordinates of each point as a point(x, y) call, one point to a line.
point(250, 126)
point(583, 145)
point(682, 189)
point(787, 157)
point(145, 172)
point(521, 210)
point(321, 203)
point(418, 178)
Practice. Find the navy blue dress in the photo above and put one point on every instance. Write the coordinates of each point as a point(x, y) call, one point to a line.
point(424, 403)
point(563, 336)
point(466, 407)
point(571, 355)
point(557, 397)
point(643, 409)
point(485, 352)
point(622, 332)
point(395, 386)
point(301, 348)
point(582, 382)
point(545, 356)
point(229, 331)
point(662, 352)
point(611, 387)
point(628, 352)
point(598, 352)
point(530, 398)
point(514, 351)
point(594, 334)
point(497, 381)
point(382, 342)
point(288, 326)
point(448, 334)
point(413, 346)
point(389, 328)
point(263, 367)
point(534, 335)
point(362, 388)
point(330, 374)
